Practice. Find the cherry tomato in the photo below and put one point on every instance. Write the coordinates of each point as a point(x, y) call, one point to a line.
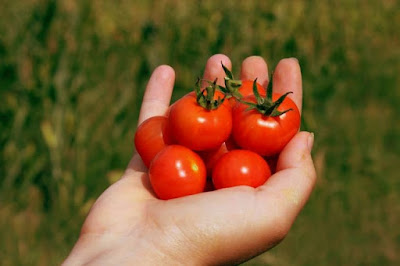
point(240, 167)
point(264, 134)
point(198, 128)
point(209, 185)
point(246, 89)
point(272, 162)
point(151, 137)
point(177, 171)
point(210, 157)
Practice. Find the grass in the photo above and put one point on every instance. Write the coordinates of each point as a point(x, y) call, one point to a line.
point(72, 74)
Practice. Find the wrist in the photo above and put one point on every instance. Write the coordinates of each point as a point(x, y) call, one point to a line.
point(89, 248)
point(109, 249)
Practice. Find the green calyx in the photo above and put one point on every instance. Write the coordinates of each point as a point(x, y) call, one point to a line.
point(205, 97)
point(265, 105)
point(232, 85)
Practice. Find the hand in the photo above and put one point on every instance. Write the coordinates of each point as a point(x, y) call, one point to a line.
point(128, 225)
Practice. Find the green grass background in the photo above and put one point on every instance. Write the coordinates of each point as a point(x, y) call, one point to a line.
point(72, 76)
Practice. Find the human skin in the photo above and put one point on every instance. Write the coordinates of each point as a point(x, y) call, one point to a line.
point(128, 225)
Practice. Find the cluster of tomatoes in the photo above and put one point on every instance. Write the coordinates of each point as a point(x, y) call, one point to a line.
point(216, 137)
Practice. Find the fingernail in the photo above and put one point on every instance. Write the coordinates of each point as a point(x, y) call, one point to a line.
point(310, 141)
point(295, 59)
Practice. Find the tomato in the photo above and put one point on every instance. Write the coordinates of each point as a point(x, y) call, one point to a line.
point(265, 134)
point(177, 171)
point(272, 162)
point(209, 185)
point(210, 157)
point(198, 128)
point(151, 137)
point(240, 167)
point(230, 144)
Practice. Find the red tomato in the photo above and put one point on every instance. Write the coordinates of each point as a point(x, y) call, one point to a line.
point(265, 134)
point(210, 157)
point(209, 185)
point(240, 167)
point(197, 128)
point(177, 171)
point(272, 162)
point(230, 144)
point(151, 137)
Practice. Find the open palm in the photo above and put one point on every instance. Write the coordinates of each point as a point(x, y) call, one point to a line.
point(129, 225)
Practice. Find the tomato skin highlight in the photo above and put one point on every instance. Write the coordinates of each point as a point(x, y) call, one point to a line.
point(262, 134)
point(151, 137)
point(240, 167)
point(198, 128)
point(177, 171)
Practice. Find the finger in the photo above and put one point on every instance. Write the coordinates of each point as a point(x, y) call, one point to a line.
point(136, 164)
point(292, 184)
point(214, 68)
point(156, 101)
point(255, 67)
point(278, 202)
point(281, 198)
point(287, 77)
point(158, 93)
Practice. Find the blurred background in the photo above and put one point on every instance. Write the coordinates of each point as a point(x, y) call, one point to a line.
point(72, 76)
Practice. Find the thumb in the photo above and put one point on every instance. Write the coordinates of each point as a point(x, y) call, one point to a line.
point(294, 180)
point(282, 197)
point(297, 150)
